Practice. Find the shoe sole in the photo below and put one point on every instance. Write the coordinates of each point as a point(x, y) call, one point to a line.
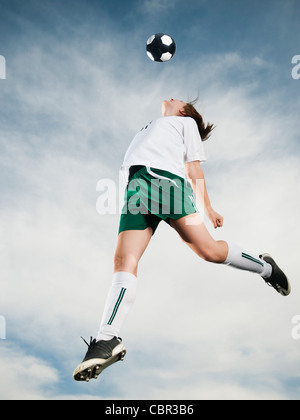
point(91, 369)
point(283, 292)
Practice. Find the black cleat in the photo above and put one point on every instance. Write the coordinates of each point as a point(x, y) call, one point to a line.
point(99, 356)
point(278, 279)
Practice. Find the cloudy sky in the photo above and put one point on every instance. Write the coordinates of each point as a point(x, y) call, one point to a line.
point(78, 87)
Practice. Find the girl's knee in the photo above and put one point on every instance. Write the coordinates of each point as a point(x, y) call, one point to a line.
point(124, 262)
point(208, 255)
point(211, 254)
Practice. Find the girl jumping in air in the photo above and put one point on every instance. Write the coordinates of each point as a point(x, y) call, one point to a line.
point(165, 178)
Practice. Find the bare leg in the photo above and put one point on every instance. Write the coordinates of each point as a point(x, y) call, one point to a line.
point(130, 248)
point(199, 239)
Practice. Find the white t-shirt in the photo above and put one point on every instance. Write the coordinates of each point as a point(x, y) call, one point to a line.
point(166, 143)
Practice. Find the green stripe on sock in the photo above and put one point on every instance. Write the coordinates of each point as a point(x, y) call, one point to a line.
point(117, 305)
point(249, 257)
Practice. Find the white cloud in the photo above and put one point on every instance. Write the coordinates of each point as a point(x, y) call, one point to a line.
point(153, 7)
point(24, 377)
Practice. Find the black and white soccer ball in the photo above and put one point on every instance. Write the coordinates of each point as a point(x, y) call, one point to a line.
point(160, 47)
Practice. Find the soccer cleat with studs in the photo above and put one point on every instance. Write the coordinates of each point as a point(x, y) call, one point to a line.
point(278, 279)
point(99, 356)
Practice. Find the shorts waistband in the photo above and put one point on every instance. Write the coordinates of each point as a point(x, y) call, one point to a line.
point(134, 169)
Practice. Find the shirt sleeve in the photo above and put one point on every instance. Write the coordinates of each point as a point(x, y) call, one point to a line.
point(194, 149)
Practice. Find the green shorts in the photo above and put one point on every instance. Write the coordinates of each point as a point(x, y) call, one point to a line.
point(149, 200)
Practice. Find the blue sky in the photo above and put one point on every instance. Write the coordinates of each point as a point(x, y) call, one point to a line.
point(78, 86)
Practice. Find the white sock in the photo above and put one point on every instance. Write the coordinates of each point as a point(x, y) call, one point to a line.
point(242, 260)
point(118, 304)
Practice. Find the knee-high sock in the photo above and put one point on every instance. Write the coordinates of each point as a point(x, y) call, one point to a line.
point(243, 260)
point(120, 298)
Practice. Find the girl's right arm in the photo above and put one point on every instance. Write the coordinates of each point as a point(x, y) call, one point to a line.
point(196, 176)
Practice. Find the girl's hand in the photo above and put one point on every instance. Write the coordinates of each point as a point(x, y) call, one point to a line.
point(216, 218)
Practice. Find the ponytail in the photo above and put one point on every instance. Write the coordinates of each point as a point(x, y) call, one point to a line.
point(204, 129)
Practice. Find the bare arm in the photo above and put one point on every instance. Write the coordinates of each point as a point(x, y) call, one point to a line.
point(196, 176)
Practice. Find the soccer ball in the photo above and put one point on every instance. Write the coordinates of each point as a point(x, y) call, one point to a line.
point(160, 47)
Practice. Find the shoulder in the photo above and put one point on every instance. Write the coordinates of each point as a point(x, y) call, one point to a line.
point(184, 121)
point(178, 120)
point(189, 121)
point(182, 124)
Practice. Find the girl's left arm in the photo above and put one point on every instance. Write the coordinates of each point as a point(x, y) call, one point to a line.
point(196, 176)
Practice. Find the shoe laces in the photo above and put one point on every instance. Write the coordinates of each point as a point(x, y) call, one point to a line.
point(92, 341)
